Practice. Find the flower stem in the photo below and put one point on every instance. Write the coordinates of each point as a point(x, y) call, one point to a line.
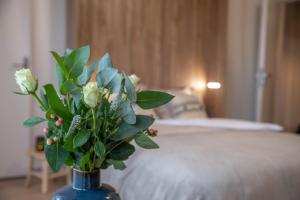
point(40, 101)
point(94, 132)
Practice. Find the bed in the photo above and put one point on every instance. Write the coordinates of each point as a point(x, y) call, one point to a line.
point(213, 159)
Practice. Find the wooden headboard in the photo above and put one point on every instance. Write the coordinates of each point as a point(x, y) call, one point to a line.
point(168, 43)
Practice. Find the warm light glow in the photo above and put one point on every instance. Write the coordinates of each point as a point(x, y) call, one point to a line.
point(198, 85)
point(214, 85)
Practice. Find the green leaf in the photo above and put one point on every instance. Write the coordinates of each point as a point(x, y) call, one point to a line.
point(122, 152)
point(120, 165)
point(115, 85)
point(81, 138)
point(87, 73)
point(152, 99)
point(56, 155)
point(70, 88)
point(85, 160)
point(130, 89)
point(76, 61)
point(99, 149)
point(55, 103)
point(44, 98)
point(33, 121)
point(105, 62)
point(68, 145)
point(145, 142)
point(60, 69)
point(105, 76)
point(69, 161)
point(128, 130)
point(59, 75)
point(127, 113)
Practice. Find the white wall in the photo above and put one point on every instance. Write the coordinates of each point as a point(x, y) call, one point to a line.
point(48, 33)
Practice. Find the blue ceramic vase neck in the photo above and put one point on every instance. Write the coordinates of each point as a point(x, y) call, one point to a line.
point(83, 180)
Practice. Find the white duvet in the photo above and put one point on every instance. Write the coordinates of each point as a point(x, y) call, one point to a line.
point(196, 163)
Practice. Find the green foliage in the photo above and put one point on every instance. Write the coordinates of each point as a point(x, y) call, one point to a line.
point(81, 138)
point(118, 164)
point(127, 112)
point(128, 130)
point(99, 149)
point(145, 142)
point(130, 89)
point(76, 61)
point(105, 76)
point(122, 152)
point(152, 99)
point(87, 138)
point(56, 155)
point(55, 103)
point(33, 121)
point(87, 73)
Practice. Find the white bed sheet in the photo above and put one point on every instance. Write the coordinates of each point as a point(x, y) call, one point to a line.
point(212, 164)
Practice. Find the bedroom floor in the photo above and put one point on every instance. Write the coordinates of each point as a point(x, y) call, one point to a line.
point(14, 189)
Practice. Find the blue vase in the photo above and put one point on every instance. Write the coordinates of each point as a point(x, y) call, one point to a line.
point(86, 186)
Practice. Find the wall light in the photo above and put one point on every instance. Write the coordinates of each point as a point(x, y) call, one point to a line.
point(198, 85)
point(213, 85)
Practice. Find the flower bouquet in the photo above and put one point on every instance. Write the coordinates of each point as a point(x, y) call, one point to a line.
point(91, 124)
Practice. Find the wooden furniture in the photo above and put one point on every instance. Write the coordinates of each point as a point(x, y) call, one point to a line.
point(44, 173)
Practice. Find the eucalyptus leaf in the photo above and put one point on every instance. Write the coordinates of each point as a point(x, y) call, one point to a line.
point(105, 76)
point(70, 88)
point(105, 62)
point(81, 138)
point(120, 165)
point(56, 155)
point(87, 73)
point(130, 89)
point(122, 152)
point(128, 130)
point(127, 112)
point(76, 61)
point(145, 142)
point(33, 121)
point(151, 99)
point(55, 103)
point(115, 84)
point(60, 65)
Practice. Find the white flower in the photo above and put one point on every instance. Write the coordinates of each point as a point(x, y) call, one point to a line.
point(91, 94)
point(134, 79)
point(26, 81)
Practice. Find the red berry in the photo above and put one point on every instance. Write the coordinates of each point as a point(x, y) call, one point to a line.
point(60, 119)
point(45, 130)
point(58, 123)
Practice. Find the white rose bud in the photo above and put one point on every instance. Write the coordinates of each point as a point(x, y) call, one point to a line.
point(91, 94)
point(26, 81)
point(134, 79)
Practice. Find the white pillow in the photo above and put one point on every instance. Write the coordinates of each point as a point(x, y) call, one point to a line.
point(183, 106)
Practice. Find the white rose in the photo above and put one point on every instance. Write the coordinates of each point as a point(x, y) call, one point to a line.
point(91, 94)
point(134, 79)
point(26, 81)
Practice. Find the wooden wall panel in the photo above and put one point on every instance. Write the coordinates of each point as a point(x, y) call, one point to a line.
point(168, 43)
point(287, 92)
